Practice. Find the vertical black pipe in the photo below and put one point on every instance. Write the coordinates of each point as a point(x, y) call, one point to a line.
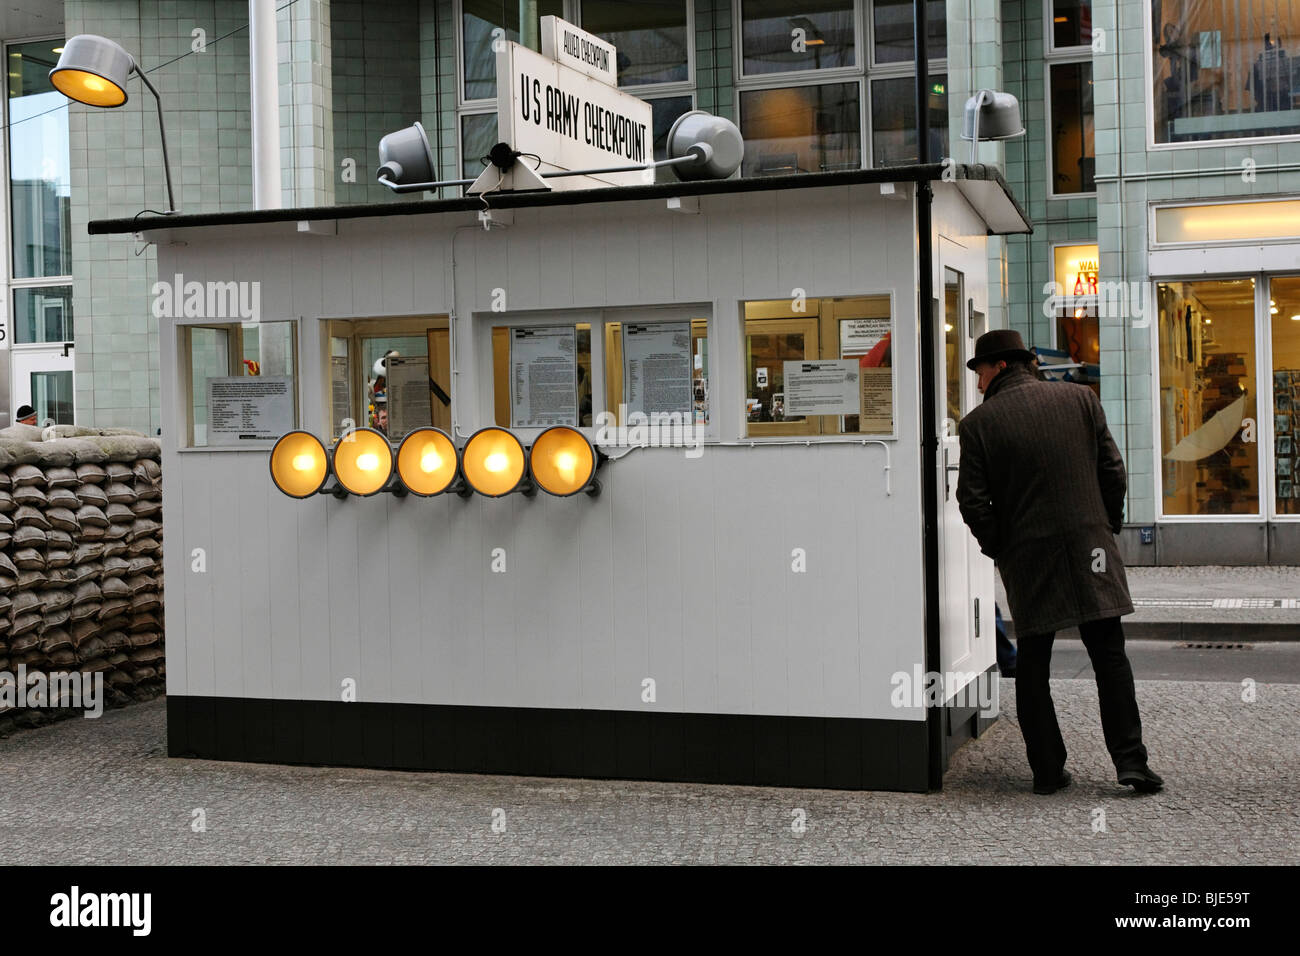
point(929, 387)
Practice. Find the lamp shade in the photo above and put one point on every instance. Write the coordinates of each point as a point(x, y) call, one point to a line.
point(713, 140)
point(562, 461)
point(426, 461)
point(494, 462)
point(363, 461)
point(999, 116)
point(299, 464)
point(92, 70)
point(405, 156)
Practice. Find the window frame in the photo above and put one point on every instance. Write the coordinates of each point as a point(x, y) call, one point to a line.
point(774, 80)
point(1050, 49)
point(1048, 63)
point(185, 380)
point(1148, 98)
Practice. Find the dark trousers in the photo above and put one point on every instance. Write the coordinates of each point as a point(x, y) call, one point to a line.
point(1120, 722)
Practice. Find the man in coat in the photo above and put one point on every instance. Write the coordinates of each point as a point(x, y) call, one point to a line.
point(1041, 486)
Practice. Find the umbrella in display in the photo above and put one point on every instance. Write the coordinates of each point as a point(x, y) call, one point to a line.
point(1212, 436)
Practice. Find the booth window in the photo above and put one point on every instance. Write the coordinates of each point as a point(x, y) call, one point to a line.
point(782, 37)
point(1221, 70)
point(242, 384)
point(393, 375)
point(652, 38)
point(542, 375)
point(819, 367)
point(657, 366)
point(1207, 370)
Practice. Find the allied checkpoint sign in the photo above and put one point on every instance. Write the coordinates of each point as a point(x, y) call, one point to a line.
point(572, 116)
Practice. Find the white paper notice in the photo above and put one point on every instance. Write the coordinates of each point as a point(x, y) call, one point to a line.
point(340, 391)
point(828, 387)
point(249, 408)
point(860, 336)
point(657, 368)
point(543, 376)
point(408, 394)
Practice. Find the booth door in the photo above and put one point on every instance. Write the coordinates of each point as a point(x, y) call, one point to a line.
point(957, 624)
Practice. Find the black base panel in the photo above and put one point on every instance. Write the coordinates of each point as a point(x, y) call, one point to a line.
point(823, 752)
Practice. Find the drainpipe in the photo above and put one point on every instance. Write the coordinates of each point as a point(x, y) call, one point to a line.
point(264, 90)
point(929, 382)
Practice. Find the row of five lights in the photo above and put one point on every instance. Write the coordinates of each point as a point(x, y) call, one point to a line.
point(561, 461)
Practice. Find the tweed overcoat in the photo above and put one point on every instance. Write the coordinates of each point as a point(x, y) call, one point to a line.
point(1041, 486)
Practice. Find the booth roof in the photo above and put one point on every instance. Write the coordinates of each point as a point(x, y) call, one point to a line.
point(983, 187)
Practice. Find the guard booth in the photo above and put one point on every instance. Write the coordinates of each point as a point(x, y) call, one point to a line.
point(742, 601)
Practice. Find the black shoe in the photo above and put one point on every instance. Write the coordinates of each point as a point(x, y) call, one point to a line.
point(1141, 779)
point(1060, 784)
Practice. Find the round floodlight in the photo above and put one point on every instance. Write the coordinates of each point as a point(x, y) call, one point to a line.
point(494, 462)
point(426, 461)
point(405, 156)
point(92, 70)
point(299, 464)
point(714, 140)
point(363, 461)
point(562, 461)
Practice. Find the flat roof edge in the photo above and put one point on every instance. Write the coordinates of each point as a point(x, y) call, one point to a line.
point(523, 200)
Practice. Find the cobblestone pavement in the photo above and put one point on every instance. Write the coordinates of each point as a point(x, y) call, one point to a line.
point(103, 791)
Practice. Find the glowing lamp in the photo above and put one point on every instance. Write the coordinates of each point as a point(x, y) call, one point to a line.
point(363, 462)
point(562, 462)
point(299, 464)
point(494, 463)
point(427, 462)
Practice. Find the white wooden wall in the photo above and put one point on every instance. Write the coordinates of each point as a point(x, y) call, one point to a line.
point(680, 571)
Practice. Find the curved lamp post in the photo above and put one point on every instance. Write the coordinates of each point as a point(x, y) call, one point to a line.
point(93, 70)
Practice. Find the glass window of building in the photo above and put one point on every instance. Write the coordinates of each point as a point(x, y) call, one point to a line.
point(781, 37)
point(242, 382)
point(39, 180)
point(52, 397)
point(1223, 70)
point(1071, 23)
point(893, 120)
point(666, 110)
point(393, 375)
point(1284, 322)
point(478, 134)
point(795, 361)
point(1074, 157)
point(801, 129)
point(652, 38)
point(484, 21)
point(1207, 370)
point(1078, 334)
point(894, 37)
point(42, 314)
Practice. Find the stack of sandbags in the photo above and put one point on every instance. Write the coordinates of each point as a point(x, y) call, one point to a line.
point(81, 560)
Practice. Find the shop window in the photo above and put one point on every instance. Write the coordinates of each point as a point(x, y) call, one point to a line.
point(1224, 70)
point(479, 18)
point(242, 382)
point(393, 375)
point(1074, 157)
point(781, 36)
point(651, 38)
point(657, 366)
point(895, 38)
point(893, 120)
point(1284, 321)
point(1228, 221)
point(1071, 23)
point(542, 375)
point(801, 129)
point(1207, 371)
point(1078, 334)
point(818, 367)
point(43, 314)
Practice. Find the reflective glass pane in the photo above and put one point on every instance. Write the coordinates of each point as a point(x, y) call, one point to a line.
point(1207, 370)
point(479, 18)
point(1071, 23)
point(1223, 69)
point(651, 38)
point(895, 38)
point(765, 374)
point(799, 35)
point(1285, 323)
point(1074, 159)
point(52, 397)
point(666, 112)
point(893, 120)
point(43, 314)
point(478, 134)
point(803, 129)
point(38, 164)
point(952, 332)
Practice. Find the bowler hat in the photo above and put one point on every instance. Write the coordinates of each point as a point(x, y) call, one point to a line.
point(999, 344)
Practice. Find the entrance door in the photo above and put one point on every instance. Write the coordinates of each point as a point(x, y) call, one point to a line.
point(42, 378)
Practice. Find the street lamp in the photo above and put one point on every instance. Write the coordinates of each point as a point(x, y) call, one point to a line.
point(93, 70)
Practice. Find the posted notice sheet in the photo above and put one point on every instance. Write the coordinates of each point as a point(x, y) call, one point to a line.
point(657, 368)
point(543, 376)
point(249, 408)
